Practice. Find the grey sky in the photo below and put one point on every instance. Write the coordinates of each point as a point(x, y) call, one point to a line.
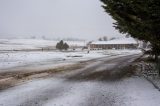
point(54, 19)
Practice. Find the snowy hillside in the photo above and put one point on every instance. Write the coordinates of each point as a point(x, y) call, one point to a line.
point(27, 44)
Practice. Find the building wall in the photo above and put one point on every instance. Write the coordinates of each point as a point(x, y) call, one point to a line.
point(113, 46)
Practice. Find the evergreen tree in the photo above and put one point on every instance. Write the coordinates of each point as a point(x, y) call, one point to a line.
point(112, 38)
point(57, 46)
point(65, 46)
point(61, 45)
point(105, 38)
point(100, 39)
point(138, 18)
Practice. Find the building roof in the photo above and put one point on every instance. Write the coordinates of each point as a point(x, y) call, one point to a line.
point(117, 41)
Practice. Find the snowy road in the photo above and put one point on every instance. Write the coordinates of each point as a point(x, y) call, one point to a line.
point(97, 84)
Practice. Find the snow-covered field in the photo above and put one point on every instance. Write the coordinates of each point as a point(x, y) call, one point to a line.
point(53, 58)
point(27, 44)
point(10, 58)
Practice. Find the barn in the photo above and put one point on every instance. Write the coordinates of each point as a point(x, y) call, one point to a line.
point(119, 43)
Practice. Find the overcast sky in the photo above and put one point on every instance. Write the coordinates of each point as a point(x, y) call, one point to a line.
point(83, 19)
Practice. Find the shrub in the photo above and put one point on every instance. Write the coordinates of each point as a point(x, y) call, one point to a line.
point(61, 45)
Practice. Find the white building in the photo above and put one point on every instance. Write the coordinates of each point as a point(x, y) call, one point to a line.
point(120, 43)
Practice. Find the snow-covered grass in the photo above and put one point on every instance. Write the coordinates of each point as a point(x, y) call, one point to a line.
point(27, 44)
point(35, 57)
point(148, 68)
point(24, 44)
point(39, 58)
point(12, 59)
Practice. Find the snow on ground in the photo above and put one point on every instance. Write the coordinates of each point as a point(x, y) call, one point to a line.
point(12, 59)
point(143, 93)
point(34, 57)
point(149, 70)
point(28, 91)
point(157, 81)
point(27, 44)
point(133, 91)
point(15, 59)
point(21, 44)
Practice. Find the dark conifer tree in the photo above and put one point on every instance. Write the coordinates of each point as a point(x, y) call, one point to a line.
point(138, 18)
point(65, 46)
point(61, 45)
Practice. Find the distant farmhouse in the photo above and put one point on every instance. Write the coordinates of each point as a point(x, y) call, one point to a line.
point(119, 43)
